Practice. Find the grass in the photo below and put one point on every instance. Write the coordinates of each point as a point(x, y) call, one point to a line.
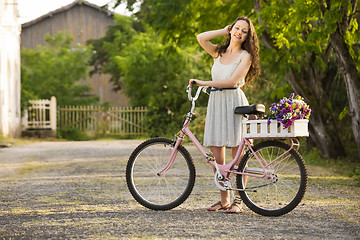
point(31, 167)
point(73, 134)
point(323, 166)
point(332, 181)
point(341, 182)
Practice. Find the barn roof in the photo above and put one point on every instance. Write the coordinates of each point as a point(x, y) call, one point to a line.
point(65, 8)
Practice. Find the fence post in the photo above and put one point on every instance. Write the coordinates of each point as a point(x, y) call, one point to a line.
point(53, 114)
point(24, 120)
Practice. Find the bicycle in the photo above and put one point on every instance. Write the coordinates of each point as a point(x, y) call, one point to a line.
point(271, 177)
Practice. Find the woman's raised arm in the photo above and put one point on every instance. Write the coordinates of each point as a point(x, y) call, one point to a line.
point(205, 37)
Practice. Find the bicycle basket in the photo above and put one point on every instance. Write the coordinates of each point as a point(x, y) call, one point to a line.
point(261, 129)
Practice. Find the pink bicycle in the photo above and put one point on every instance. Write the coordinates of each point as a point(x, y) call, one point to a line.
point(271, 177)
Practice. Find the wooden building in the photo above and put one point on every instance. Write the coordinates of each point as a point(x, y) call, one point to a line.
point(84, 21)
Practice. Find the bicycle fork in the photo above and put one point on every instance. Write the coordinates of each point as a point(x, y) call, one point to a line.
point(173, 155)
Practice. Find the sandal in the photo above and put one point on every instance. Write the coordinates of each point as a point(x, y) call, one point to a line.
point(218, 206)
point(236, 206)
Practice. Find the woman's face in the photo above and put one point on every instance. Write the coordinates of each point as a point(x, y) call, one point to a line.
point(239, 31)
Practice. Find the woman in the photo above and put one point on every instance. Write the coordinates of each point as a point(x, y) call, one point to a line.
point(236, 64)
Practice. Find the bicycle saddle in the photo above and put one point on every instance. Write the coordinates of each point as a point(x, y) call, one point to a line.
point(252, 109)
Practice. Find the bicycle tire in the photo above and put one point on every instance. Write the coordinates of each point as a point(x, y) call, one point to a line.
point(168, 190)
point(282, 196)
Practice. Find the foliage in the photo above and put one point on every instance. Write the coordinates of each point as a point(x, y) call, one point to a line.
point(54, 70)
point(197, 125)
point(72, 134)
point(297, 36)
point(302, 28)
point(156, 77)
point(294, 43)
point(313, 157)
point(106, 49)
point(155, 74)
point(180, 20)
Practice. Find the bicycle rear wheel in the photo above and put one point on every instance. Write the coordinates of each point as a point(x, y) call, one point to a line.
point(286, 185)
point(172, 187)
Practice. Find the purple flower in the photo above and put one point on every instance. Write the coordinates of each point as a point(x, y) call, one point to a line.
point(287, 111)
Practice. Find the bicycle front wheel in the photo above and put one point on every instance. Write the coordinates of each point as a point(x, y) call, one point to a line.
point(283, 188)
point(167, 190)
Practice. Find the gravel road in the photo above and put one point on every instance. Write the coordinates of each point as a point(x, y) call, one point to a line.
point(77, 190)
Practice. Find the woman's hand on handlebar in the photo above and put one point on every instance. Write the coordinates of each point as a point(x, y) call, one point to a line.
point(192, 82)
point(196, 82)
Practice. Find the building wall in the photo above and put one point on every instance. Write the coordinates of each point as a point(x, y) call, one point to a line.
point(83, 21)
point(10, 115)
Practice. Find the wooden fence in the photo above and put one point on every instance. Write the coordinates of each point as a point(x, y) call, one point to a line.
point(100, 120)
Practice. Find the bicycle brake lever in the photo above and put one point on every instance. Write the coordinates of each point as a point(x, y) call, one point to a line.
point(204, 90)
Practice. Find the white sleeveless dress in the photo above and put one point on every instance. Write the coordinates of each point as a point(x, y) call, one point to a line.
point(222, 126)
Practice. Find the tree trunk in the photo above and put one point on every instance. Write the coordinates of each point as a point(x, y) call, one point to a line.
point(323, 131)
point(352, 82)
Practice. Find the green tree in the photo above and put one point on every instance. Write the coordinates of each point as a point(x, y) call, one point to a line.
point(345, 43)
point(298, 40)
point(156, 76)
point(153, 73)
point(55, 70)
point(297, 49)
point(303, 36)
point(107, 48)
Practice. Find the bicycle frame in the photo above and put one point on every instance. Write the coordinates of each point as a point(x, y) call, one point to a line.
point(225, 170)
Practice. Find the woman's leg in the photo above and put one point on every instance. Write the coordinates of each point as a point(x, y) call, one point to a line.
point(236, 206)
point(234, 151)
point(219, 154)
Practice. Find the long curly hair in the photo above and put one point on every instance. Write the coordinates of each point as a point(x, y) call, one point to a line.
point(251, 45)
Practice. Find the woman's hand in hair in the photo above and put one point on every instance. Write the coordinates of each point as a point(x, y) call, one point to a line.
point(227, 29)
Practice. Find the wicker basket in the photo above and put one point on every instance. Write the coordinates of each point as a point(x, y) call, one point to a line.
point(261, 129)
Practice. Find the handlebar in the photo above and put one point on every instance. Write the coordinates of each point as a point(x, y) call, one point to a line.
point(189, 90)
point(193, 99)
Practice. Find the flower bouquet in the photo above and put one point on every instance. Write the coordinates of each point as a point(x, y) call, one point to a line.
point(288, 110)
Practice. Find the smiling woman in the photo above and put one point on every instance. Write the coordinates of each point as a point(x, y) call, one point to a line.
point(236, 63)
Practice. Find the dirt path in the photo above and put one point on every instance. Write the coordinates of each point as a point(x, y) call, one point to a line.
point(77, 190)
